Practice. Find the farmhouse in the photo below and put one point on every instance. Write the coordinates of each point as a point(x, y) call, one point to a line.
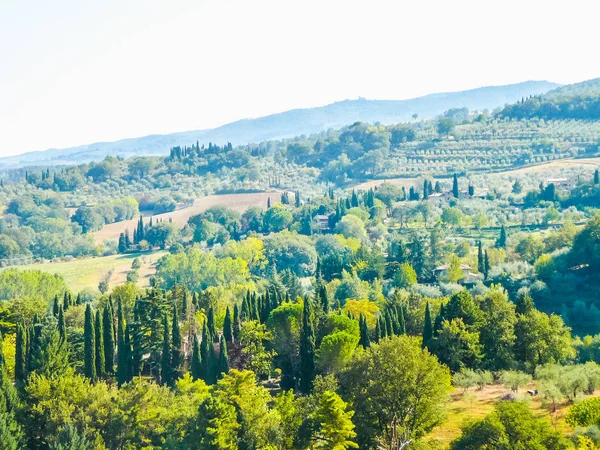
point(562, 183)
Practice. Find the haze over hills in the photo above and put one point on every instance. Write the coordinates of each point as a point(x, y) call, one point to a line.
point(289, 124)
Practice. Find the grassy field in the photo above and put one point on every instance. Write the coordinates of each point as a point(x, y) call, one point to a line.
point(476, 404)
point(87, 273)
point(237, 202)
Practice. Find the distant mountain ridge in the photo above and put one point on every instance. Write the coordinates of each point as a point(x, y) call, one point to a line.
point(289, 124)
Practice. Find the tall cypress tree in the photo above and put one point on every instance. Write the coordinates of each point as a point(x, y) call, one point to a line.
point(427, 326)
point(377, 336)
point(324, 298)
point(21, 353)
point(437, 326)
point(401, 322)
point(89, 345)
point(62, 327)
point(109, 340)
point(100, 356)
point(365, 340)
point(455, 190)
point(66, 301)
point(480, 257)
point(176, 353)
point(212, 365)
point(122, 353)
point(165, 366)
point(204, 350)
point(307, 350)
point(196, 364)
point(227, 327)
point(210, 324)
point(237, 326)
point(486, 264)
point(501, 242)
point(128, 370)
point(55, 306)
point(223, 358)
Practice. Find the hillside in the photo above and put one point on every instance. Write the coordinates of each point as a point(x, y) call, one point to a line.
point(290, 123)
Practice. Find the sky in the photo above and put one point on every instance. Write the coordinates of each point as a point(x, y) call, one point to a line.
point(75, 72)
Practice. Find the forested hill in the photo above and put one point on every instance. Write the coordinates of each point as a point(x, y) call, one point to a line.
point(574, 101)
point(290, 123)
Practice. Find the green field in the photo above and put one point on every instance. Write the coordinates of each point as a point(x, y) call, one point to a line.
point(88, 272)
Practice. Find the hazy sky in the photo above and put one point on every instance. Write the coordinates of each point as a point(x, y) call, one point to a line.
point(75, 72)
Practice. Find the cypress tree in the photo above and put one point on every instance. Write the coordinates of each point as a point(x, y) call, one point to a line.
point(425, 190)
point(401, 322)
point(99, 336)
point(455, 191)
point(365, 340)
point(324, 299)
point(307, 350)
point(377, 336)
point(184, 304)
point(165, 366)
point(486, 264)
point(78, 301)
point(227, 327)
point(109, 340)
point(21, 353)
point(55, 306)
point(236, 323)
point(223, 358)
point(437, 326)
point(196, 364)
point(596, 177)
point(480, 258)
point(501, 242)
point(212, 365)
point(62, 328)
point(212, 331)
point(89, 345)
point(177, 354)
point(66, 301)
point(204, 349)
point(382, 327)
point(122, 353)
point(388, 324)
point(128, 369)
point(427, 326)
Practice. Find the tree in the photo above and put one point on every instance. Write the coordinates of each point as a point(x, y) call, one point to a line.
point(227, 327)
point(277, 218)
point(454, 271)
point(99, 341)
point(395, 381)
point(511, 425)
point(223, 359)
point(405, 276)
point(124, 350)
point(427, 326)
point(445, 125)
point(480, 258)
point(166, 373)
point(89, 345)
point(456, 346)
point(596, 177)
point(20, 353)
point(307, 349)
point(196, 364)
point(109, 339)
point(365, 340)
point(455, 189)
point(176, 352)
point(501, 242)
point(336, 430)
point(497, 334)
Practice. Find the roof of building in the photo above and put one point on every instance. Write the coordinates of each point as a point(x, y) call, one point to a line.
point(447, 266)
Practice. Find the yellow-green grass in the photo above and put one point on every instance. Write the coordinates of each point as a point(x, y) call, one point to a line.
point(86, 273)
point(476, 404)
